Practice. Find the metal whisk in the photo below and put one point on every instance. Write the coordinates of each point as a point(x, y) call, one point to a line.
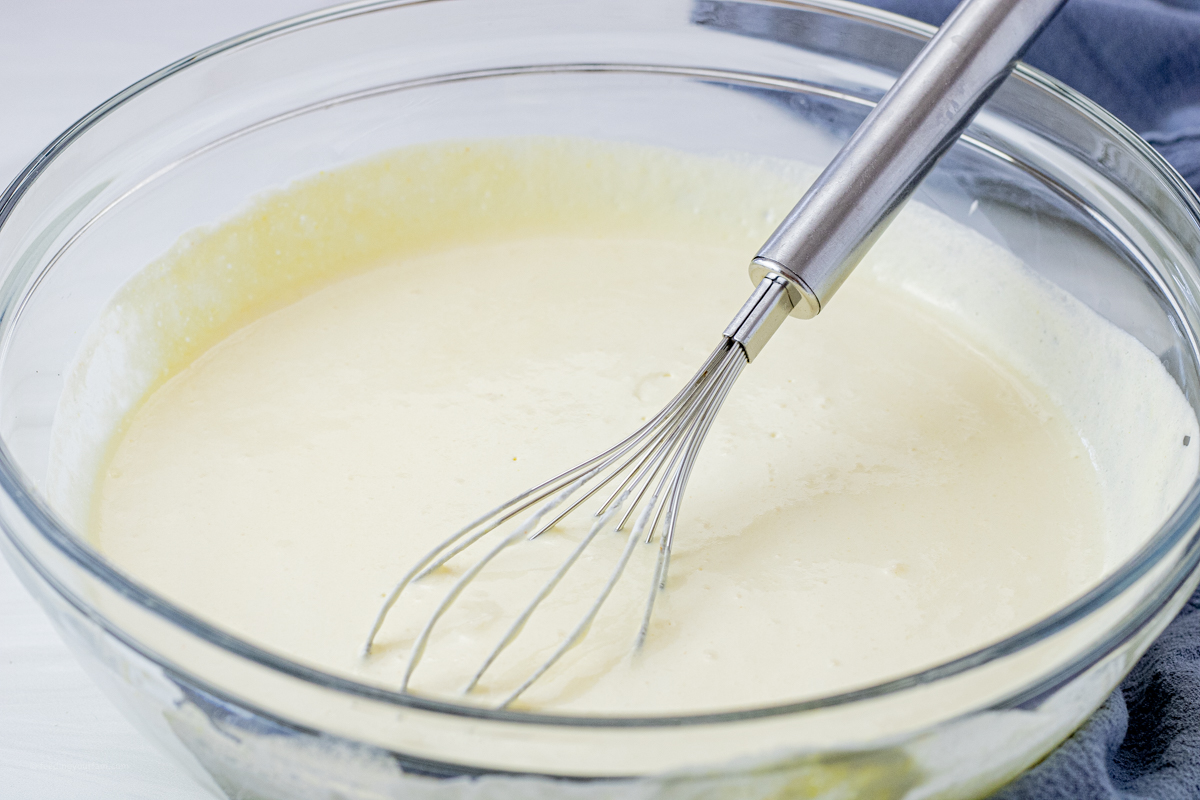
point(637, 485)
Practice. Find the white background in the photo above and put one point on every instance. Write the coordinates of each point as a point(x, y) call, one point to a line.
point(60, 739)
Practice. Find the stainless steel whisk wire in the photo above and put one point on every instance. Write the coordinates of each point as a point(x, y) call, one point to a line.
point(796, 271)
point(660, 454)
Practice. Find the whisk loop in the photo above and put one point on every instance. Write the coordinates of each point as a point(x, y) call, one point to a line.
point(648, 472)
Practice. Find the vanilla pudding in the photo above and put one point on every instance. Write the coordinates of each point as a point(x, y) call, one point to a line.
point(273, 422)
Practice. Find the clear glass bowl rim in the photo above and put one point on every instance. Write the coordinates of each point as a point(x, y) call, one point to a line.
point(1183, 521)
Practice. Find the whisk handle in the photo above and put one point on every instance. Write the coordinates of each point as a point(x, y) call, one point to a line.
point(833, 226)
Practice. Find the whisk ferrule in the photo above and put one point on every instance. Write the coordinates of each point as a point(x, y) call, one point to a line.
point(762, 314)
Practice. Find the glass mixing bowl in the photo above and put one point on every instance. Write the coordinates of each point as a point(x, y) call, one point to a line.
point(1042, 171)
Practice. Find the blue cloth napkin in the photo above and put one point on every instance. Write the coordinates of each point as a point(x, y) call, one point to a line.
point(1140, 59)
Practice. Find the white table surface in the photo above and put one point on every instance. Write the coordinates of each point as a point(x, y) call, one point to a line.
point(59, 737)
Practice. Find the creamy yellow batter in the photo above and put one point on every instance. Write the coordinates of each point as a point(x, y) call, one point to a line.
point(891, 484)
